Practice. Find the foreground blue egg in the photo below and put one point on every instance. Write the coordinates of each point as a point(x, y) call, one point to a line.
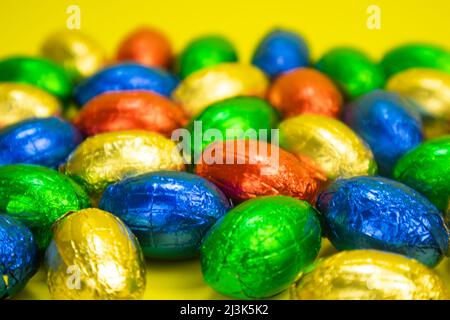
point(382, 214)
point(41, 141)
point(127, 76)
point(388, 123)
point(18, 256)
point(281, 51)
point(168, 211)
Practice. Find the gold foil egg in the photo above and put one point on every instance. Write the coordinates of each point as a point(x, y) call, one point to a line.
point(369, 275)
point(219, 82)
point(330, 143)
point(20, 101)
point(109, 157)
point(93, 255)
point(431, 90)
point(76, 52)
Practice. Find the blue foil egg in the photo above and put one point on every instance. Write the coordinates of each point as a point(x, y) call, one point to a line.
point(41, 141)
point(379, 213)
point(168, 211)
point(127, 76)
point(18, 256)
point(281, 51)
point(388, 123)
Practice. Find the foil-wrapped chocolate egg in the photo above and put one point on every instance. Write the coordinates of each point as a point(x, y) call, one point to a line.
point(388, 123)
point(128, 110)
point(245, 169)
point(305, 90)
point(352, 70)
point(76, 52)
point(415, 56)
point(330, 143)
point(93, 255)
point(431, 90)
point(37, 196)
point(42, 141)
point(38, 72)
point(19, 101)
point(146, 46)
point(379, 213)
point(281, 51)
point(219, 82)
point(168, 211)
point(369, 275)
point(109, 157)
point(427, 170)
point(205, 52)
point(125, 77)
point(18, 256)
point(258, 248)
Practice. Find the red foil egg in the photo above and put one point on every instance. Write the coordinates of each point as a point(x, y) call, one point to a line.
point(129, 110)
point(305, 90)
point(146, 46)
point(245, 169)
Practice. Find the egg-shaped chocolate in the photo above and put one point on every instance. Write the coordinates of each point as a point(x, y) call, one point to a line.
point(18, 256)
point(245, 169)
point(219, 82)
point(388, 123)
point(37, 196)
point(305, 90)
point(369, 275)
point(93, 255)
point(281, 51)
point(383, 214)
point(125, 77)
point(129, 110)
point(168, 211)
point(330, 143)
point(258, 248)
point(42, 141)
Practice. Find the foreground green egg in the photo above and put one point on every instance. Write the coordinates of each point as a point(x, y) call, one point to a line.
point(38, 196)
point(352, 70)
point(258, 248)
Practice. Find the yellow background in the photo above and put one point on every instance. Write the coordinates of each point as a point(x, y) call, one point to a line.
point(24, 24)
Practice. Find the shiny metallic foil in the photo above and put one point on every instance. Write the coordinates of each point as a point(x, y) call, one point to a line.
point(352, 70)
point(37, 196)
point(260, 246)
point(38, 72)
point(109, 157)
point(245, 169)
point(219, 82)
point(93, 255)
point(168, 211)
point(431, 90)
point(128, 110)
point(20, 101)
point(76, 52)
point(330, 143)
point(18, 256)
point(387, 123)
point(369, 275)
point(379, 213)
point(305, 90)
point(42, 141)
point(427, 170)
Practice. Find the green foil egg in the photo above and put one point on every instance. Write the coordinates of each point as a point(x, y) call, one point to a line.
point(38, 196)
point(234, 118)
point(258, 248)
point(204, 52)
point(352, 70)
point(427, 170)
point(415, 56)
